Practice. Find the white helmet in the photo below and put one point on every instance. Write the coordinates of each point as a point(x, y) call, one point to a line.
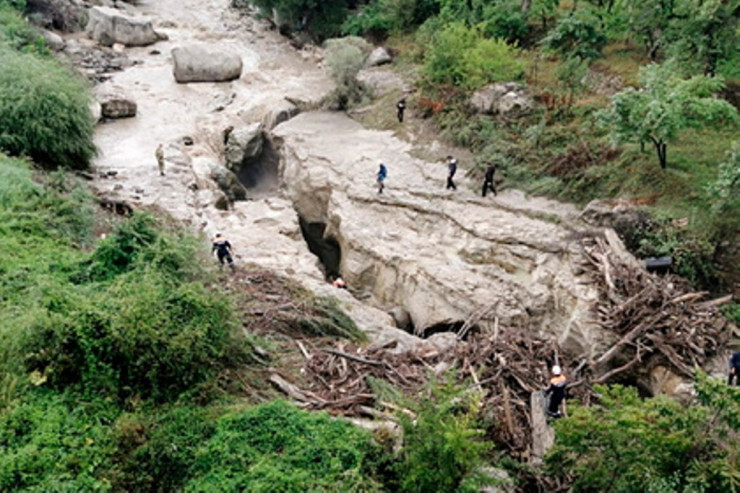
point(556, 370)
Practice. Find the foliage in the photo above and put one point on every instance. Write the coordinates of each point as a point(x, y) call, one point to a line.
point(345, 57)
point(444, 432)
point(463, 57)
point(379, 18)
point(18, 5)
point(275, 447)
point(55, 443)
point(725, 191)
point(576, 36)
point(666, 104)
point(320, 19)
point(17, 34)
point(498, 18)
point(44, 111)
point(625, 443)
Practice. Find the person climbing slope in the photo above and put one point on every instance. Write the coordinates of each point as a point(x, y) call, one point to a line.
point(488, 179)
point(400, 107)
point(557, 387)
point(223, 250)
point(159, 154)
point(381, 176)
point(451, 170)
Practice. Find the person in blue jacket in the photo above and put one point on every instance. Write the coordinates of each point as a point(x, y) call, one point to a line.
point(381, 176)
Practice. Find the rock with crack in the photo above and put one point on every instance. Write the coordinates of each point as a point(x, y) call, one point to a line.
point(228, 183)
point(243, 145)
point(442, 257)
point(379, 56)
point(509, 99)
point(116, 105)
point(203, 63)
point(279, 113)
point(109, 26)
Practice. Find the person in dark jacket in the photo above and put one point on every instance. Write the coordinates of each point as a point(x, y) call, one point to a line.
point(381, 176)
point(734, 369)
point(223, 250)
point(556, 390)
point(488, 179)
point(451, 170)
point(400, 107)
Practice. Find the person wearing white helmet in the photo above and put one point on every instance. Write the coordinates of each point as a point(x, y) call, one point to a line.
point(557, 387)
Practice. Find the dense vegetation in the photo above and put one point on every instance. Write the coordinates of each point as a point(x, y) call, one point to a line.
point(124, 365)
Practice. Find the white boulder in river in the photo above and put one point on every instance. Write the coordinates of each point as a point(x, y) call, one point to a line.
point(109, 26)
point(202, 63)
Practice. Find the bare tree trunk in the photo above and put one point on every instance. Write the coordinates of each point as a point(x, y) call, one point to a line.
point(526, 5)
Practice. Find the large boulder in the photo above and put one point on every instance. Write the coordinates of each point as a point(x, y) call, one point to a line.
point(281, 112)
point(243, 145)
point(379, 56)
point(109, 26)
point(200, 63)
point(509, 99)
point(53, 40)
point(228, 183)
point(117, 106)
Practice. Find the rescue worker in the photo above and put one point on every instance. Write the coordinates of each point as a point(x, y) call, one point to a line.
point(400, 107)
point(159, 154)
point(222, 247)
point(734, 369)
point(488, 179)
point(557, 388)
point(451, 170)
point(381, 176)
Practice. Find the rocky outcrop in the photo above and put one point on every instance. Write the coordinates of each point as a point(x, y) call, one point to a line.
point(379, 56)
point(281, 112)
point(117, 105)
point(53, 40)
point(109, 26)
point(200, 63)
point(243, 145)
point(228, 183)
point(442, 260)
point(509, 99)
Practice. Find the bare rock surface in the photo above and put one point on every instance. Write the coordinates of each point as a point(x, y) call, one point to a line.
point(109, 26)
point(510, 99)
point(202, 63)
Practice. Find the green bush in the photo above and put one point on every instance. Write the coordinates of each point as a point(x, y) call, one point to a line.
point(642, 443)
point(321, 20)
point(462, 57)
point(345, 57)
point(577, 36)
point(44, 112)
point(16, 33)
point(443, 448)
point(277, 448)
point(55, 443)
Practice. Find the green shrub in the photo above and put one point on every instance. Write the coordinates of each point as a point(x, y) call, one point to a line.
point(55, 443)
point(277, 448)
point(345, 57)
point(443, 448)
point(16, 33)
point(653, 441)
point(321, 20)
point(44, 112)
point(463, 57)
point(576, 36)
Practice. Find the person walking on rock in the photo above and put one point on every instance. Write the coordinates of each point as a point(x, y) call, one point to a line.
point(381, 176)
point(159, 154)
point(223, 250)
point(557, 388)
point(488, 179)
point(400, 107)
point(734, 369)
point(451, 170)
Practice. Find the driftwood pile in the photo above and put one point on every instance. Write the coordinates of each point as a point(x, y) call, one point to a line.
point(657, 317)
point(505, 368)
point(657, 320)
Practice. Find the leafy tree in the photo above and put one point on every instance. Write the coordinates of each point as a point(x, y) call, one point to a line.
point(648, 21)
point(544, 10)
point(627, 444)
point(345, 57)
point(443, 449)
point(666, 104)
point(381, 17)
point(577, 36)
point(463, 57)
point(705, 33)
point(320, 18)
point(44, 111)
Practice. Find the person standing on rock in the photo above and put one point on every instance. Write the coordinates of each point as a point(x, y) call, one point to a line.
point(734, 369)
point(381, 176)
point(400, 107)
point(557, 388)
point(223, 250)
point(451, 170)
point(488, 179)
point(159, 154)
